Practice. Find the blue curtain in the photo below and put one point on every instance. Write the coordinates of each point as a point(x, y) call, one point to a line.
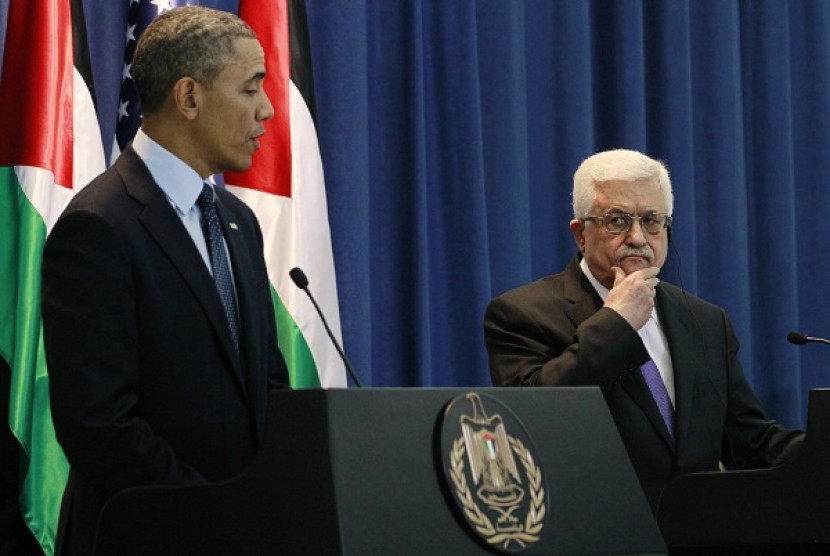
point(450, 132)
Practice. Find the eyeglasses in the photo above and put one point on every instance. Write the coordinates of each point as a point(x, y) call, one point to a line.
point(620, 222)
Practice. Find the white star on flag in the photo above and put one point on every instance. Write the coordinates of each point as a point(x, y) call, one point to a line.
point(162, 5)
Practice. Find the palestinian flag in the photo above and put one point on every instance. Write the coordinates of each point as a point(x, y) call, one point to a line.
point(50, 147)
point(285, 189)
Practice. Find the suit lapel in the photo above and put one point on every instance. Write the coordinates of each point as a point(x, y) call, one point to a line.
point(579, 291)
point(242, 270)
point(685, 352)
point(166, 229)
point(249, 284)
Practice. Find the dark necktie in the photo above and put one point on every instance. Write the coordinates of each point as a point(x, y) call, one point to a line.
point(219, 259)
point(658, 389)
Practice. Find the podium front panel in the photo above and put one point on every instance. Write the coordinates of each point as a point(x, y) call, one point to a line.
point(359, 472)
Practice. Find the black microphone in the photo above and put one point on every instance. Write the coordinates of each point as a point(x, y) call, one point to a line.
point(799, 338)
point(301, 281)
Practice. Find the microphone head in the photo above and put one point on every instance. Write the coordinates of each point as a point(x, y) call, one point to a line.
point(797, 338)
point(299, 277)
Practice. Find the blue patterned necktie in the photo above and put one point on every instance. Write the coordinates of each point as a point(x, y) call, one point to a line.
point(219, 259)
point(658, 389)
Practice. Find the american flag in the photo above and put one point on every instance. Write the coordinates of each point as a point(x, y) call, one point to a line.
point(142, 12)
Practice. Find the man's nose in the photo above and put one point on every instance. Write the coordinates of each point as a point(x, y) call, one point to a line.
point(266, 111)
point(635, 235)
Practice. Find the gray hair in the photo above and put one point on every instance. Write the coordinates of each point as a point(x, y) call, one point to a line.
point(190, 41)
point(617, 164)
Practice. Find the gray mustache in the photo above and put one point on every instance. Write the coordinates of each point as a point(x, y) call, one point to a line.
point(637, 253)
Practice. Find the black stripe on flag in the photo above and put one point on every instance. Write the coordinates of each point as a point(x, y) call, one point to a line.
point(301, 74)
point(80, 48)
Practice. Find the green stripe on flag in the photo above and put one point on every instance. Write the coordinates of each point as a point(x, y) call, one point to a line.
point(21, 345)
point(301, 368)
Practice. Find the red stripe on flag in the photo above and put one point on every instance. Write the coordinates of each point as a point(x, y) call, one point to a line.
point(271, 168)
point(36, 88)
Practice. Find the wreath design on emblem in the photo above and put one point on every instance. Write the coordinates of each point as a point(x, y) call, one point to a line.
point(499, 534)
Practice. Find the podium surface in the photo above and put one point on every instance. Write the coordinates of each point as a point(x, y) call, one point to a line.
point(358, 472)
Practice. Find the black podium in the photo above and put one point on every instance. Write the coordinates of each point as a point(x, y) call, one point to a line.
point(783, 510)
point(356, 472)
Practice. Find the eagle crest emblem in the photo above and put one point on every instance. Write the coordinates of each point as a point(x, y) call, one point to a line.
point(495, 480)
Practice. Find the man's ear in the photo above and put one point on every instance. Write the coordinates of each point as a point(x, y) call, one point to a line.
point(186, 92)
point(578, 230)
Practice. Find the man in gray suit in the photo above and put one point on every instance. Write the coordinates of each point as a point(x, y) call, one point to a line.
point(665, 360)
point(158, 322)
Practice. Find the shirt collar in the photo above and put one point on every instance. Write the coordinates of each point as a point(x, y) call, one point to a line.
point(601, 290)
point(180, 183)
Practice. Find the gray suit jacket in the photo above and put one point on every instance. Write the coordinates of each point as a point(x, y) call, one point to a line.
point(555, 332)
point(146, 385)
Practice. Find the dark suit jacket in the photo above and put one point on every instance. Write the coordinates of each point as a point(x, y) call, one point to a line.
point(555, 332)
point(146, 386)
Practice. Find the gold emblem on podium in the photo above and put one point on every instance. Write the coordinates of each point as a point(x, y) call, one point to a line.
point(492, 473)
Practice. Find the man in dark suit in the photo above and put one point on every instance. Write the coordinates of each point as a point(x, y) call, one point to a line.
point(665, 360)
point(158, 323)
